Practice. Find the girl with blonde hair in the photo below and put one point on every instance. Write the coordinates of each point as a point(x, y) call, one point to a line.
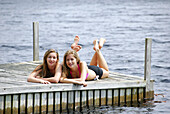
point(76, 71)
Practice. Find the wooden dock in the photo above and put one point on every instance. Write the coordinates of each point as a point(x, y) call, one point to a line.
point(19, 96)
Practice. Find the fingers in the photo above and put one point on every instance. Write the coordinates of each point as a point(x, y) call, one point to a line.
point(45, 82)
point(84, 84)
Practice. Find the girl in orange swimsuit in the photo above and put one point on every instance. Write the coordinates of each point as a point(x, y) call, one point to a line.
point(76, 71)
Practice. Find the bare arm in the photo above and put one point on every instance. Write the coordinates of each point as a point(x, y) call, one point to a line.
point(83, 66)
point(57, 75)
point(33, 75)
point(80, 81)
point(74, 81)
point(84, 69)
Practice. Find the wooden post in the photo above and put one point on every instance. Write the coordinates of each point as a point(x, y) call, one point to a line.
point(35, 41)
point(147, 68)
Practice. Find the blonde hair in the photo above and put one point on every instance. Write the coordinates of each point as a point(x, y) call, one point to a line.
point(44, 66)
point(66, 69)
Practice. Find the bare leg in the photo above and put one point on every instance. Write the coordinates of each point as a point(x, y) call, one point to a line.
point(94, 60)
point(102, 61)
point(101, 42)
point(103, 64)
point(75, 45)
point(96, 45)
point(99, 59)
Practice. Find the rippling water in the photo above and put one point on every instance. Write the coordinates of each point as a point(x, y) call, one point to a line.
point(124, 23)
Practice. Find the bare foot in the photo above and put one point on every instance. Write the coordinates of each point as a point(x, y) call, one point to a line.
point(76, 48)
point(96, 46)
point(101, 42)
point(76, 40)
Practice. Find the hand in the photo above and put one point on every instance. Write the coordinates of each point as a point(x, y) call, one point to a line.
point(82, 83)
point(45, 82)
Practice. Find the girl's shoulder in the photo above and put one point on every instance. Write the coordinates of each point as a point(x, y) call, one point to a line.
point(59, 65)
point(39, 67)
point(82, 62)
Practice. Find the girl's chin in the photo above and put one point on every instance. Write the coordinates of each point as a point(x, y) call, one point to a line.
point(51, 64)
point(69, 66)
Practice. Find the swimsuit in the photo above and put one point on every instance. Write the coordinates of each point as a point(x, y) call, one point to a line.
point(96, 69)
point(79, 72)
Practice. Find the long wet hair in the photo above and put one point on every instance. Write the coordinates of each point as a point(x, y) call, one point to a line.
point(66, 69)
point(44, 66)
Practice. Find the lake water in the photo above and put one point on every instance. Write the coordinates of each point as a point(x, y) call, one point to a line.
point(124, 23)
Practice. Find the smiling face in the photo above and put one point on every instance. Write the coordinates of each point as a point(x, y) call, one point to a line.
point(71, 61)
point(70, 58)
point(52, 59)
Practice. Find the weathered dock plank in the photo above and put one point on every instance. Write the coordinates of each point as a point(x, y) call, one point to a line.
point(18, 95)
